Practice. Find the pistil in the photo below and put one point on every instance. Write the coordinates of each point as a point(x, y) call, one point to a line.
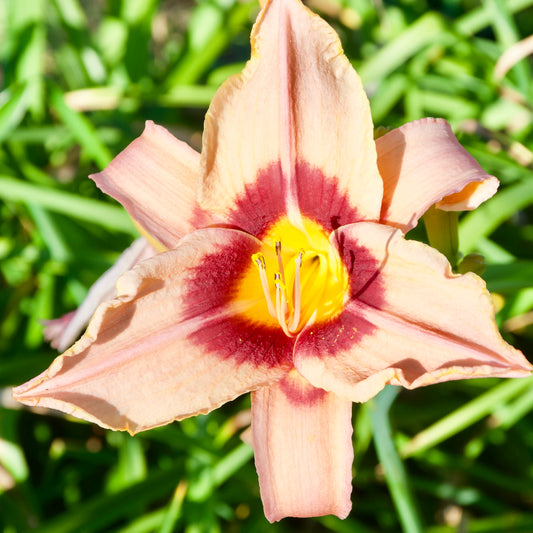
point(297, 294)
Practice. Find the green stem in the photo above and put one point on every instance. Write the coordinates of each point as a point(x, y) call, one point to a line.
point(442, 231)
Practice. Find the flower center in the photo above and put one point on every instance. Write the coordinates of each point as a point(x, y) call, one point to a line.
point(296, 279)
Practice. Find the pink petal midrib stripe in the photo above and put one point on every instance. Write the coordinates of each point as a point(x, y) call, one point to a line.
point(287, 149)
point(150, 343)
point(386, 319)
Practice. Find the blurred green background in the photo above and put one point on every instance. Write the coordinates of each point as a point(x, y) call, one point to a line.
point(78, 79)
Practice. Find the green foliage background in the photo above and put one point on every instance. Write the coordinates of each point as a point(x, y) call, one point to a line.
point(78, 79)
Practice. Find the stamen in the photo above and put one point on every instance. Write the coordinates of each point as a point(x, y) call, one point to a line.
point(259, 260)
point(277, 284)
point(297, 296)
point(302, 276)
point(281, 304)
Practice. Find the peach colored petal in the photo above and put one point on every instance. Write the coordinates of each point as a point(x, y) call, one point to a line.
point(297, 107)
point(303, 449)
point(63, 331)
point(165, 348)
point(423, 164)
point(155, 179)
point(413, 323)
point(474, 194)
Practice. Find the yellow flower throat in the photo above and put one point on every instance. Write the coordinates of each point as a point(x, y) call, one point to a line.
point(296, 279)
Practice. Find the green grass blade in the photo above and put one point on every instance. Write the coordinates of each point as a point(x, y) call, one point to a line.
point(86, 209)
point(486, 218)
point(59, 251)
point(195, 63)
point(510, 414)
point(507, 33)
point(188, 96)
point(508, 523)
point(394, 469)
point(477, 19)
point(98, 513)
point(509, 276)
point(82, 129)
point(465, 416)
point(232, 462)
point(174, 509)
point(428, 29)
point(13, 110)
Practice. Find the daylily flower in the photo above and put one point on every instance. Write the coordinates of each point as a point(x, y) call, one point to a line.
point(287, 272)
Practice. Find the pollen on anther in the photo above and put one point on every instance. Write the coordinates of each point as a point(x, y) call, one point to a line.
point(280, 261)
point(259, 260)
point(278, 282)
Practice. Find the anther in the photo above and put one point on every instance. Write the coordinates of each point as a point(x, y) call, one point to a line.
point(259, 260)
point(280, 261)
